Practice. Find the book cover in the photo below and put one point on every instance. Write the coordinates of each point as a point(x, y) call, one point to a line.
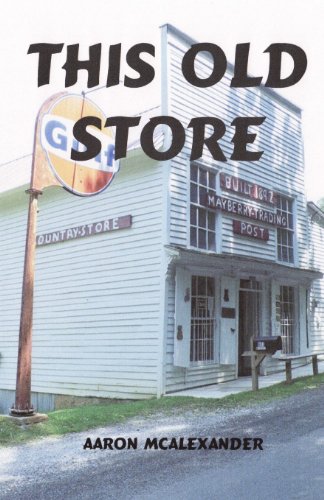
point(169, 155)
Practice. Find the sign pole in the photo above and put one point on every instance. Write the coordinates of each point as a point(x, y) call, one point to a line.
point(22, 406)
point(89, 181)
point(40, 177)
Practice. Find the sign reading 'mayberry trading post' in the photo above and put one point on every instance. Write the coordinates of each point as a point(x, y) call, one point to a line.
point(87, 177)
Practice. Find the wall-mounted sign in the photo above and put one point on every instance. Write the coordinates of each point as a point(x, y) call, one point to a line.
point(73, 233)
point(250, 230)
point(228, 312)
point(248, 189)
point(243, 209)
point(82, 178)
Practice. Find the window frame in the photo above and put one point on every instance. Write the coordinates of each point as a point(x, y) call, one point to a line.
point(295, 314)
point(204, 362)
point(217, 216)
point(288, 230)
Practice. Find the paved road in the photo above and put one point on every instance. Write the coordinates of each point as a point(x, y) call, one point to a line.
point(291, 465)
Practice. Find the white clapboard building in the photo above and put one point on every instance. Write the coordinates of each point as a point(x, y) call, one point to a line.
point(157, 284)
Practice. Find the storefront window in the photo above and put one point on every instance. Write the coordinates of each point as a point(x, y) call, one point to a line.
point(202, 220)
point(285, 236)
point(202, 319)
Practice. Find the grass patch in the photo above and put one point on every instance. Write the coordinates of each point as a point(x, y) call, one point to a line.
point(82, 418)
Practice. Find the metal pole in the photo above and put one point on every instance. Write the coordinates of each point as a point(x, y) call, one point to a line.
point(22, 406)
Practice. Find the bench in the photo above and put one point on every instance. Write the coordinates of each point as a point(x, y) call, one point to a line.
point(288, 358)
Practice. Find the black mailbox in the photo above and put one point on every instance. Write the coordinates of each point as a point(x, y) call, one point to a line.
point(268, 345)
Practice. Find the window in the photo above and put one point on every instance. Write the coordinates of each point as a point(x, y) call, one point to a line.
point(285, 236)
point(287, 319)
point(202, 220)
point(202, 319)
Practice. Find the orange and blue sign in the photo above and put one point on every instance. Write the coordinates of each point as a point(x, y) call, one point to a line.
point(84, 178)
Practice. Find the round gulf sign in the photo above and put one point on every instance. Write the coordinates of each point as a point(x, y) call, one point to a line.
point(84, 178)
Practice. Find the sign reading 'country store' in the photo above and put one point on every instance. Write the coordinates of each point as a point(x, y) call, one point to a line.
point(85, 230)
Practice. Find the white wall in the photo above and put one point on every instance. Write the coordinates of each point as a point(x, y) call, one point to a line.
point(316, 305)
point(281, 167)
point(97, 299)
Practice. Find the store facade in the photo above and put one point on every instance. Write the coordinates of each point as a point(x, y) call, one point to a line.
point(180, 261)
point(242, 234)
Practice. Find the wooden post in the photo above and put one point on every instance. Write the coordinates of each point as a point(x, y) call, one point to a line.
point(254, 368)
point(22, 406)
point(288, 372)
point(315, 364)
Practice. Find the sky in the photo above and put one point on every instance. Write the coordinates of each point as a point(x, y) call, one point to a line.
point(260, 22)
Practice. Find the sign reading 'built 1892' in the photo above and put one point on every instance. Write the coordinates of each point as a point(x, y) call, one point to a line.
point(73, 233)
point(248, 189)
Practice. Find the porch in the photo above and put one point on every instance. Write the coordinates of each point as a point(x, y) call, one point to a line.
point(243, 384)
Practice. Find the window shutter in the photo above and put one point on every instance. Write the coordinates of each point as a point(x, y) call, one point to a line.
point(182, 318)
point(228, 330)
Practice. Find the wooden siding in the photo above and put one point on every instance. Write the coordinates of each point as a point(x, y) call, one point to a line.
point(97, 299)
point(316, 302)
point(280, 168)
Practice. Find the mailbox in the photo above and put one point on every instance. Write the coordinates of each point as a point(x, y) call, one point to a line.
point(267, 345)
